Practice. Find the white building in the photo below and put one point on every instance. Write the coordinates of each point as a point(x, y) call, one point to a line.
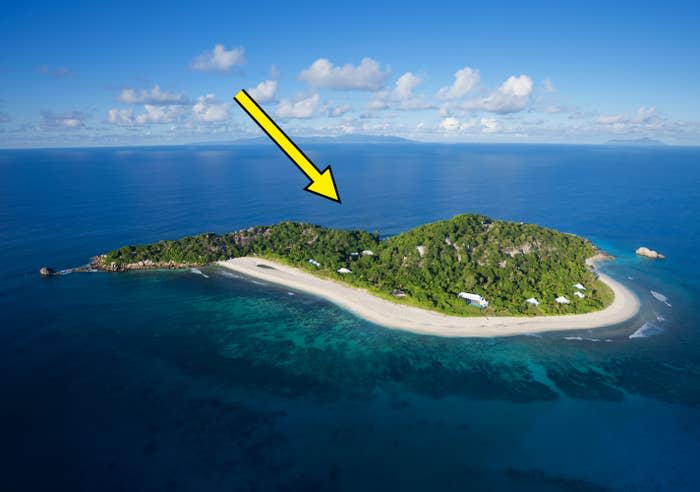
point(562, 300)
point(579, 286)
point(344, 270)
point(474, 299)
point(314, 262)
point(533, 301)
point(580, 295)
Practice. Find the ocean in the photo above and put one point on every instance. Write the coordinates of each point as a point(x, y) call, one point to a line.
point(199, 381)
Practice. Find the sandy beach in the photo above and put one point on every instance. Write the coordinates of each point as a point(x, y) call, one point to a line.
point(416, 320)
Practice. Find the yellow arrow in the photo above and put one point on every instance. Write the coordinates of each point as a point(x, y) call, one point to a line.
point(322, 182)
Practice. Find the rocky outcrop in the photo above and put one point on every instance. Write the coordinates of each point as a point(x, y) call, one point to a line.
point(100, 263)
point(649, 253)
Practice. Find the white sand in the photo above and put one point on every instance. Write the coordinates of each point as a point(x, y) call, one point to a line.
point(409, 318)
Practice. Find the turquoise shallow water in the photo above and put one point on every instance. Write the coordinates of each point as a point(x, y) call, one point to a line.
point(173, 380)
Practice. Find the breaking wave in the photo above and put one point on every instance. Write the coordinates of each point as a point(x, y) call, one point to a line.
point(587, 339)
point(226, 273)
point(648, 329)
point(196, 271)
point(660, 297)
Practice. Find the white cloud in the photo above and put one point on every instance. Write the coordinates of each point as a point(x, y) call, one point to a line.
point(643, 120)
point(465, 80)
point(379, 102)
point(367, 76)
point(645, 115)
point(154, 96)
point(405, 85)
point(551, 109)
point(511, 97)
point(489, 125)
point(470, 126)
point(120, 117)
point(159, 114)
point(264, 92)
point(302, 108)
point(517, 86)
point(336, 111)
point(449, 124)
point(401, 96)
point(208, 110)
point(72, 120)
point(218, 59)
point(611, 119)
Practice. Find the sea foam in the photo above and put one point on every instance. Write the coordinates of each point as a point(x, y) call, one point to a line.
point(196, 271)
point(660, 297)
point(647, 330)
point(581, 339)
point(226, 273)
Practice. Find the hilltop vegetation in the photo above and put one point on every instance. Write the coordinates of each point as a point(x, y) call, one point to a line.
point(505, 262)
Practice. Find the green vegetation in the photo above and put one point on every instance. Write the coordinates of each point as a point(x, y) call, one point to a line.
point(505, 262)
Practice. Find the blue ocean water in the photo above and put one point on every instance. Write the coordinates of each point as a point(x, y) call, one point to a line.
point(182, 381)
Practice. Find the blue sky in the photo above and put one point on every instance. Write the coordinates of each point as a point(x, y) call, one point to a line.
point(163, 73)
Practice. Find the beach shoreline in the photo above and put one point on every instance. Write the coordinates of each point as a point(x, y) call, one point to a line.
point(388, 314)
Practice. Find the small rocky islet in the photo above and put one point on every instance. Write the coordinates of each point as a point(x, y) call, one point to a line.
point(649, 253)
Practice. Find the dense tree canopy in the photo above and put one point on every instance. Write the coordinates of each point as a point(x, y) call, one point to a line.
point(505, 262)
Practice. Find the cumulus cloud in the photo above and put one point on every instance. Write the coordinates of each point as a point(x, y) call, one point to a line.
point(517, 86)
point(120, 117)
point(645, 115)
point(644, 119)
point(218, 59)
point(405, 85)
point(489, 125)
point(159, 114)
point(379, 102)
point(449, 124)
point(56, 73)
point(470, 126)
point(302, 108)
point(401, 96)
point(367, 76)
point(511, 97)
point(336, 111)
point(465, 81)
point(264, 92)
point(153, 96)
point(207, 109)
point(72, 120)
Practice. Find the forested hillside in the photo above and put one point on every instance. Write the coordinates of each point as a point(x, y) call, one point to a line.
point(505, 262)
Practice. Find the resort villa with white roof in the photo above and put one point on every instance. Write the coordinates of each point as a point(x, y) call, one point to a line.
point(474, 299)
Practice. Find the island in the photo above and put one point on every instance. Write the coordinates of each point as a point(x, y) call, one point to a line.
point(649, 253)
point(466, 276)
